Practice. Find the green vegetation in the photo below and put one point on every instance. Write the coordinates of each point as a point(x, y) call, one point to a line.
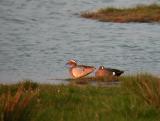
point(137, 98)
point(140, 13)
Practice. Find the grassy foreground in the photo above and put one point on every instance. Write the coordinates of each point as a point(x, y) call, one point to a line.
point(140, 13)
point(136, 99)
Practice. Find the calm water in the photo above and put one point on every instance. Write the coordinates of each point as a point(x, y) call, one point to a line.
point(37, 37)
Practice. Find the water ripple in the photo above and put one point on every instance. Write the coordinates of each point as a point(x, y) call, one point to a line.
point(38, 37)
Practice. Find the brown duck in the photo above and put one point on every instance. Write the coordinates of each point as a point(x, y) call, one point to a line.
point(110, 73)
point(78, 71)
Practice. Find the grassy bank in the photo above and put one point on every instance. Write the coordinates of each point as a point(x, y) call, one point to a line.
point(136, 99)
point(140, 13)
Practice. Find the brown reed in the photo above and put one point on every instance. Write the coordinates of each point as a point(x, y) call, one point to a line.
point(14, 105)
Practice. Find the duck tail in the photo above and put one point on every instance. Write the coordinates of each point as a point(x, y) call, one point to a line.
point(119, 73)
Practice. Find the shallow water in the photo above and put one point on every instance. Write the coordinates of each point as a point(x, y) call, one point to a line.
point(37, 37)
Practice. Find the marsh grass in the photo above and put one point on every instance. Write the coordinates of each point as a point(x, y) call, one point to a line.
point(128, 102)
point(14, 105)
point(140, 13)
point(94, 103)
point(145, 86)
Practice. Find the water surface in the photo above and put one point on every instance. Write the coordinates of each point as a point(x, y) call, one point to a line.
point(37, 37)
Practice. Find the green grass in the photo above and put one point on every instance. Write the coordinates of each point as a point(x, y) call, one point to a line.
point(140, 13)
point(126, 102)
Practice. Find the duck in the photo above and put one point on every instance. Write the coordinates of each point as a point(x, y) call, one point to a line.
point(78, 71)
point(108, 72)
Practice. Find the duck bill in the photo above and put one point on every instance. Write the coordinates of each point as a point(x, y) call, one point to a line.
point(67, 65)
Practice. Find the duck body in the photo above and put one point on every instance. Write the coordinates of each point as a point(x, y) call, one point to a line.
point(101, 72)
point(108, 72)
point(78, 71)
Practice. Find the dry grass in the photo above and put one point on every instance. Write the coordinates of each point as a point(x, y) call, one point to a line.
point(145, 86)
point(14, 105)
point(140, 13)
point(150, 91)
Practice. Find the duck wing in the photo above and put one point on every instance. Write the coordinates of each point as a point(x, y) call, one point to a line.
point(81, 71)
point(116, 71)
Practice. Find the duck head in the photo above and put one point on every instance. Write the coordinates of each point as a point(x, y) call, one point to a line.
point(72, 63)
